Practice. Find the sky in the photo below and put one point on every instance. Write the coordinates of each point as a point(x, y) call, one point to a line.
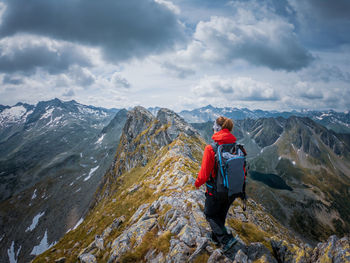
point(179, 54)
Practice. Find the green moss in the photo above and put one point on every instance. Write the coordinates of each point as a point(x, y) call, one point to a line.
point(115, 186)
point(202, 258)
point(249, 232)
point(150, 241)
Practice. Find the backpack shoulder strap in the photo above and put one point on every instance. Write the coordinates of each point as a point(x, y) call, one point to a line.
point(240, 146)
point(214, 145)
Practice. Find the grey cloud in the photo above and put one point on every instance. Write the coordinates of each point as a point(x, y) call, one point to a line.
point(26, 56)
point(8, 79)
point(178, 71)
point(82, 76)
point(323, 24)
point(325, 73)
point(269, 42)
point(120, 82)
point(235, 89)
point(124, 29)
point(311, 95)
point(68, 93)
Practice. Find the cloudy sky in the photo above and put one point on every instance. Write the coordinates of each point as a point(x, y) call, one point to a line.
point(181, 54)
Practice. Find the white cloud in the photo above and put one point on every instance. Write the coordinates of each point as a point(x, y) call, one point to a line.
point(235, 89)
point(170, 5)
point(27, 53)
point(269, 41)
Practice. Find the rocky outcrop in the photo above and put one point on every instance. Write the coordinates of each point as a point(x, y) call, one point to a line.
point(333, 250)
point(155, 214)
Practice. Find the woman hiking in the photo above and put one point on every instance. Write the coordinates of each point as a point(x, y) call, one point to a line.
point(217, 206)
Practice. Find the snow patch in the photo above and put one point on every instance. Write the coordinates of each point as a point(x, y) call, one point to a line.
point(81, 220)
point(13, 114)
point(99, 141)
point(91, 172)
point(35, 222)
point(34, 194)
point(43, 246)
point(47, 114)
point(11, 253)
point(52, 122)
point(293, 163)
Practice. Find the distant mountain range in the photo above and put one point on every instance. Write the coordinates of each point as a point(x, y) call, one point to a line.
point(59, 160)
point(337, 121)
point(299, 171)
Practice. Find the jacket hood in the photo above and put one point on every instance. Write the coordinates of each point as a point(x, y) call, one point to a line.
point(224, 137)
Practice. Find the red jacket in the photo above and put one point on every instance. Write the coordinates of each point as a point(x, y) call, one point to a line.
point(221, 137)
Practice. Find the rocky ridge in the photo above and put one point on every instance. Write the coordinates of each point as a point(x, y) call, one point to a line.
point(148, 210)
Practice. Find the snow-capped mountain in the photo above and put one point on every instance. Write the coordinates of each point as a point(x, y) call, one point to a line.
point(33, 134)
point(337, 121)
point(148, 210)
point(52, 158)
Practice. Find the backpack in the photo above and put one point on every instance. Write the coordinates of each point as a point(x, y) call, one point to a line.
point(230, 170)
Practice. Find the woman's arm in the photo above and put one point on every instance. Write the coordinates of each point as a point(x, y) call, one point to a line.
point(208, 162)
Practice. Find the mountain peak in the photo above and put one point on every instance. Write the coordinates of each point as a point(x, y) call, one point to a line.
point(176, 123)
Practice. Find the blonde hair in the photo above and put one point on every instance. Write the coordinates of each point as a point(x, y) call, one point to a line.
point(225, 123)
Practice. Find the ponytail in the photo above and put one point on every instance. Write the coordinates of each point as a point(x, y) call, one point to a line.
point(225, 123)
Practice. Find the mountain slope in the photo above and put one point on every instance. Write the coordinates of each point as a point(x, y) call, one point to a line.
point(33, 137)
point(299, 171)
point(148, 210)
point(55, 195)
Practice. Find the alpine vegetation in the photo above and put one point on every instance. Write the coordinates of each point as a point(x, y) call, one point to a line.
point(146, 208)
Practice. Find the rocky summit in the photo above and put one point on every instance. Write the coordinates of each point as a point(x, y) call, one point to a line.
point(147, 209)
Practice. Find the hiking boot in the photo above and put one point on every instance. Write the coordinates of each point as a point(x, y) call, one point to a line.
point(212, 238)
point(232, 241)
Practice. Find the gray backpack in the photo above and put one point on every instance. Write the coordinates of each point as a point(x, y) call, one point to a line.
point(231, 169)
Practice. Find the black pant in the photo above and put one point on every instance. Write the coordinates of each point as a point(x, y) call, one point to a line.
point(215, 210)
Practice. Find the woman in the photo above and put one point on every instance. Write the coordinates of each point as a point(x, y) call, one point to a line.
point(216, 207)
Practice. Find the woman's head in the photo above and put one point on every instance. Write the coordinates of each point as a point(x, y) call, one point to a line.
point(223, 123)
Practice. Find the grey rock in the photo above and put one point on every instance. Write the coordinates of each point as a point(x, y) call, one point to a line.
point(153, 208)
point(106, 232)
point(258, 250)
point(88, 249)
point(99, 242)
point(216, 256)
point(334, 250)
point(177, 123)
point(153, 257)
point(150, 254)
point(176, 226)
point(286, 252)
point(188, 236)
point(158, 259)
point(87, 258)
point(241, 257)
point(138, 213)
point(203, 242)
point(179, 252)
point(209, 249)
point(134, 188)
point(117, 222)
